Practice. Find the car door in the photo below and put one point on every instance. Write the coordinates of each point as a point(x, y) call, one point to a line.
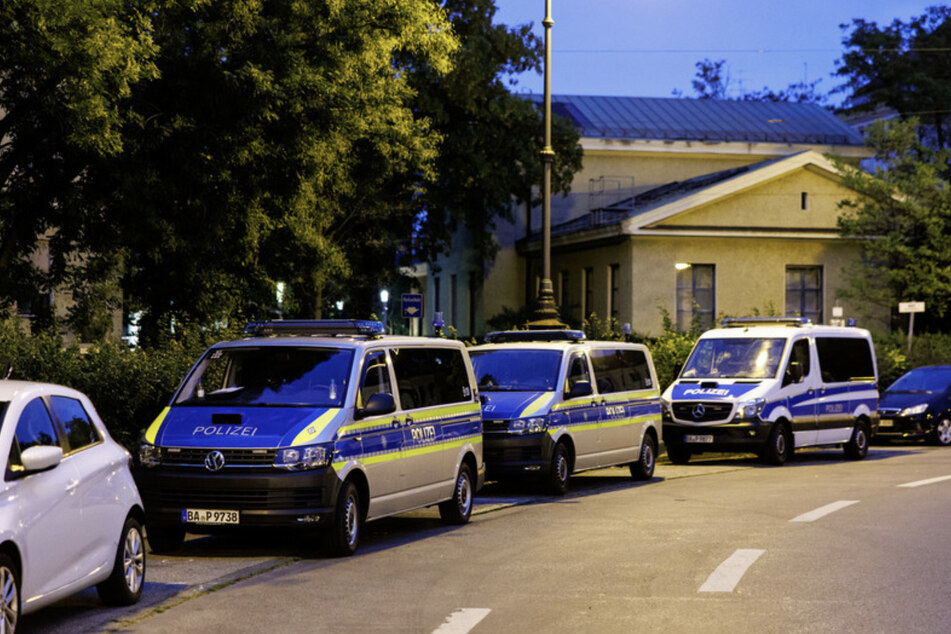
point(583, 411)
point(800, 387)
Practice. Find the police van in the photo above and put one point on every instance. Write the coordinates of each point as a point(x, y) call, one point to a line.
point(554, 404)
point(771, 385)
point(314, 424)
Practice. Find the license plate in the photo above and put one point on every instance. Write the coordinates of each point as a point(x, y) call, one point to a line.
point(210, 516)
point(886, 422)
point(706, 439)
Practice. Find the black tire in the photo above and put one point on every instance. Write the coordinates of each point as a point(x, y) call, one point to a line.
point(677, 454)
point(343, 537)
point(778, 446)
point(857, 447)
point(559, 472)
point(9, 594)
point(941, 432)
point(124, 585)
point(643, 469)
point(458, 510)
point(165, 538)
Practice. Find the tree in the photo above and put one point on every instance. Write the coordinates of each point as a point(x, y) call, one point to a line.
point(67, 70)
point(905, 67)
point(901, 219)
point(713, 82)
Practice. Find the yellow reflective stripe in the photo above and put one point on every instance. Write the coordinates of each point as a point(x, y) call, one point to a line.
point(152, 432)
point(315, 428)
point(634, 395)
point(397, 454)
point(343, 431)
point(570, 405)
point(535, 406)
point(473, 409)
point(620, 422)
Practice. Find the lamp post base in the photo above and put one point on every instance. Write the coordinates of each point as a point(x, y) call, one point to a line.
point(545, 316)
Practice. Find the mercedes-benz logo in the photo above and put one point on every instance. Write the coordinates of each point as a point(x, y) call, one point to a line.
point(698, 411)
point(214, 461)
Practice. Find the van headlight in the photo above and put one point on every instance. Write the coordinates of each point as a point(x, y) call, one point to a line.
point(531, 425)
point(665, 412)
point(751, 408)
point(304, 457)
point(914, 410)
point(149, 455)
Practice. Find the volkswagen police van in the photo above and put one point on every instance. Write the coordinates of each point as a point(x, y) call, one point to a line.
point(771, 385)
point(315, 424)
point(554, 404)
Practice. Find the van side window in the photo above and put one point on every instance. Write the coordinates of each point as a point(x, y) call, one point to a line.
point(845, 359)
point(577, 371)
point(620, 370)
point(430, 376)
point(376, 377)
point(798, 356)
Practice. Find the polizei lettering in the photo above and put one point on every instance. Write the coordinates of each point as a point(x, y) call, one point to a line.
point(223, 430)
point(706, 391)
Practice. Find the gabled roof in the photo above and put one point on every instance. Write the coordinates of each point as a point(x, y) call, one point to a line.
point(707, 120)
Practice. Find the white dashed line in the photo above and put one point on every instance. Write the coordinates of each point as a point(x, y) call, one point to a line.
point(822, 511)
point(462, 621)
point(729, 573)
point(921, 483)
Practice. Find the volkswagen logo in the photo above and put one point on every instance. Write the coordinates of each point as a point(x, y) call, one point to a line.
point(698, 411)
point(214, 461)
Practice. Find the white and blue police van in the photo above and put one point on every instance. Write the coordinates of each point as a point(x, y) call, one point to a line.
point(314, 424)
point(771, 385)
point(554, 404)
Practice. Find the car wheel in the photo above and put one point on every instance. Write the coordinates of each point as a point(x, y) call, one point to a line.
point(643, 469)
point(778, 446)
point(9, 594)
point(678, 455)
point(857, 447)
point(344, 536)
point(560, 470)
point(459, 508)
point(164, 538)
point(941, 433)
point(124, 585)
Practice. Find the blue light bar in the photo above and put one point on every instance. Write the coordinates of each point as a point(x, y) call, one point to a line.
point(740, 322)
point(315, 327)
point(525, 336)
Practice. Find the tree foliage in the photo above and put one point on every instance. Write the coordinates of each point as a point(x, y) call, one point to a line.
point(902, 220)
point(712, 81)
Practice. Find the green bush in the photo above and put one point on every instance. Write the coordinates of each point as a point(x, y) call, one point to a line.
point(891, 352)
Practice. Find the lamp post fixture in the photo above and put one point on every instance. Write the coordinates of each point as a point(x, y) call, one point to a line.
point(546, 313)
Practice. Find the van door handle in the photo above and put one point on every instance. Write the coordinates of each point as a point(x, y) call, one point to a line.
point(409, 419)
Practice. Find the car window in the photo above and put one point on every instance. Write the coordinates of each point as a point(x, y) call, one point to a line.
point(80, 432)
point(515, 370)
point(799, 355)
point(34, 428)
point(620, 370)
point(577, 371)
point(430, 376)
point(845, 359)
point(376, 377)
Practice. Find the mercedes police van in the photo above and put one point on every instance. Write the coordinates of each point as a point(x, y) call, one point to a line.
point(315, 424)
point(770, 385)
point(554, 403)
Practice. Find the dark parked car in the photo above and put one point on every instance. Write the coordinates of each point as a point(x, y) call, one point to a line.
point(918, 405)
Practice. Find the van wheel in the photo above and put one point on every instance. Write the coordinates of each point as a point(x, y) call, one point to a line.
point(778, 446)
point(459, 508)
point(124, 585)
point(165, 538)
point(9, 594)
point(560, 470)
point(643, 469)
point(678, 455)
point(343, 537)
point(942, 432)
point(857, 447)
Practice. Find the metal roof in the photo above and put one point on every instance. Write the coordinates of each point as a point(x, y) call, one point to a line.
point(709, 120)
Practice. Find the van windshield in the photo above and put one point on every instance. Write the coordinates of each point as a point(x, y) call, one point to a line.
point(516, 370)
point(734, 358)
point(282, 376)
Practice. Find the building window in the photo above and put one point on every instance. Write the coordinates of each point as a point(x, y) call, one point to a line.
point(696, 295)
point(453, 298)
point(437, 307)
point(804, 201)
point(472, 303)
point(804, 292)
point(563, 297)
point(613, 290)
point(587, 292)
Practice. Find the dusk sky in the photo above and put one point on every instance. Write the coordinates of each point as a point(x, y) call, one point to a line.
point(648, 48)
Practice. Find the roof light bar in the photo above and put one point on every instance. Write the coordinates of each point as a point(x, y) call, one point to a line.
point(740, 322)
point(510, 336)
point(315, 327)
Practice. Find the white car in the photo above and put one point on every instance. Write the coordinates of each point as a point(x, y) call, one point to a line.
point(71, 516)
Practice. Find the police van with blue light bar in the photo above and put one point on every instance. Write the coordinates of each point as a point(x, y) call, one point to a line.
point(319, 424)
point(554, 403)
point(771, 385)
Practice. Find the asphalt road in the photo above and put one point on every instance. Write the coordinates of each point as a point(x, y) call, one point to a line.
point(719, 545)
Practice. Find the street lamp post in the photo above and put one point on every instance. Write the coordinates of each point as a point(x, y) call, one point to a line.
point(546, 313)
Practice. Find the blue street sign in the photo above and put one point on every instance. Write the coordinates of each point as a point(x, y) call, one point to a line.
point(412, 305)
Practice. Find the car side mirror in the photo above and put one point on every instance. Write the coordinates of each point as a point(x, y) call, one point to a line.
point(580, 388)
point(41, 458)
point(794, 373)
point(377, 405)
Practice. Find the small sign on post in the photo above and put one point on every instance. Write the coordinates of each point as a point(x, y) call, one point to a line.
point(911, 308)
point(412, 307)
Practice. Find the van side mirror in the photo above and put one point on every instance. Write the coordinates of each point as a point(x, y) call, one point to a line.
point(794, 373)
point(580, 388)
point(377, 405)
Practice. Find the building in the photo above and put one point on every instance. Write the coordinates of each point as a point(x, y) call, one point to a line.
point(696, 208)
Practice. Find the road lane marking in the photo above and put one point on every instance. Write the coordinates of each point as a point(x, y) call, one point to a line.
point(921, 483)
point(729, 573)
point(462, 621)
point(822, 511)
